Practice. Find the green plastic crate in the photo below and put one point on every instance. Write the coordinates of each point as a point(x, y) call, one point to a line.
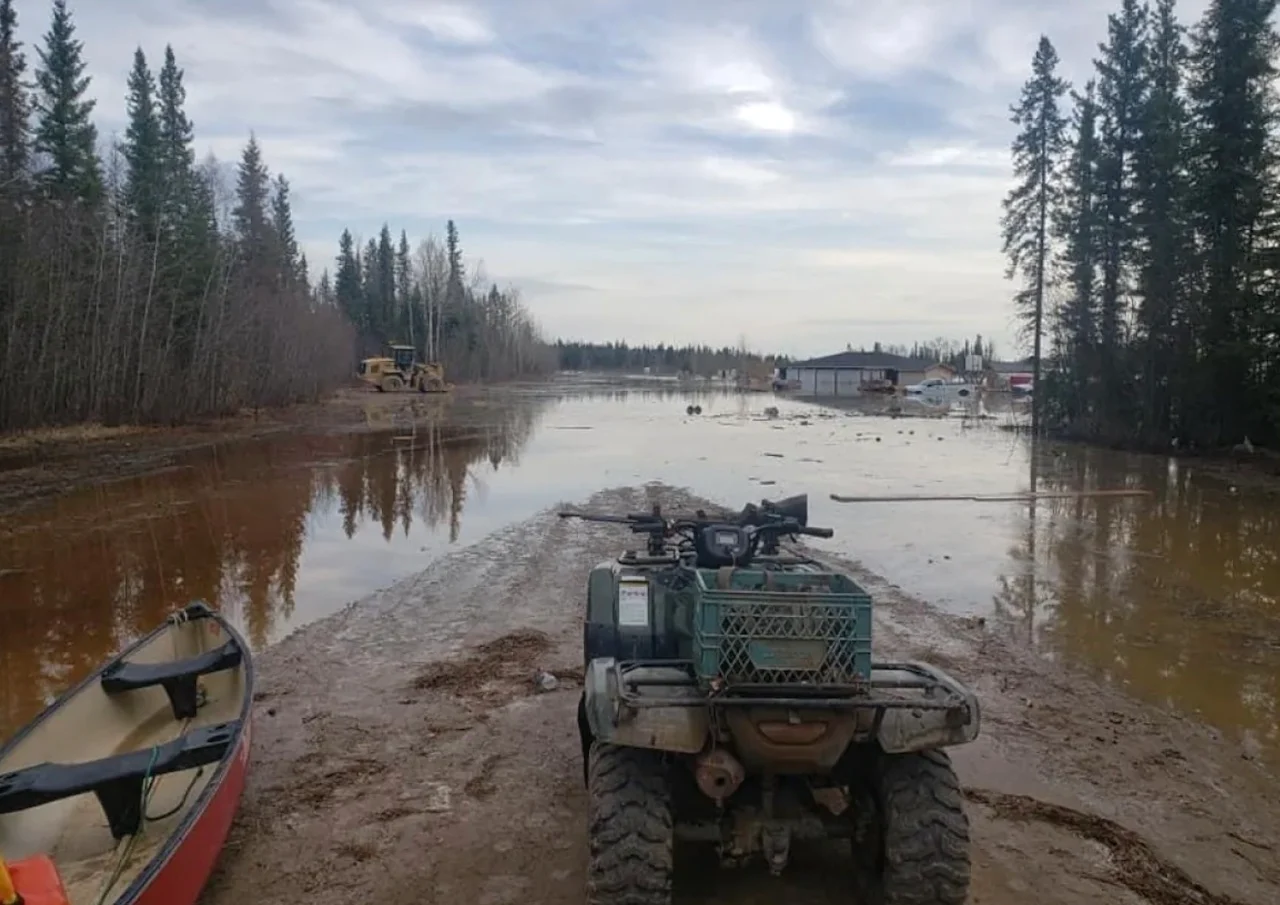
point(781, 628)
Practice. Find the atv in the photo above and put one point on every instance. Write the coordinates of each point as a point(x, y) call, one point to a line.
point(729, 697)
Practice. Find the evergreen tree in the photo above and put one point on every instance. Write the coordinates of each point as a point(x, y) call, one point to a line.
point(347, 290)
point(405, 309)
point(390, 313)
point(65, 134)
point(1121, 103)
point(15, 104)
point(250, 213)
point(1163, 230)
point(143, 151)
point(1037, 152)
point(372, 299)
point(176, 138)
point(176, 130)
point(288, 264)
point(1232, 199)
point(1077, 224)
point(324, 289)
point(457, 270)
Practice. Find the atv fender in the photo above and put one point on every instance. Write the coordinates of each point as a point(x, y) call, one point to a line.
point(904, 729)
point(681, 729)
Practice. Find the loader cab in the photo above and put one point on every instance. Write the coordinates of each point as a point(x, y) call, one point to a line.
point(403, 357)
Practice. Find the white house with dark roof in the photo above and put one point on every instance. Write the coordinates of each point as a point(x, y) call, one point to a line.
point(850, 373)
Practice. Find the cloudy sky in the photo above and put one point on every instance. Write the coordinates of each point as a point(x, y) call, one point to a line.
point(804, 174)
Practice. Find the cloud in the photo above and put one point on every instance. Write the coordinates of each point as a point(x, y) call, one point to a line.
point(444, 21)
point(811, 175)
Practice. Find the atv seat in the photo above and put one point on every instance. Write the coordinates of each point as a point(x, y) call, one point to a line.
point(118, 780)
point(177, 677)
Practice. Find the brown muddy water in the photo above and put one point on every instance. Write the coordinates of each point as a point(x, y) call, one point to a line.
point(1172, 596)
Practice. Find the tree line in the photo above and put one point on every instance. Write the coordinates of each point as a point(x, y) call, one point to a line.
point(662, 358)
point(137, 284)
point(428, 297)
point(133, 285)
point(948, 351)
point(1144, 228)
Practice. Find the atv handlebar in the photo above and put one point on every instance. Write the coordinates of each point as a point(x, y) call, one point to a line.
point(787, 517)
point(614, 519)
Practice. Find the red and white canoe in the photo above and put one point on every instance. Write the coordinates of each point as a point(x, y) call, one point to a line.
point(123, 790)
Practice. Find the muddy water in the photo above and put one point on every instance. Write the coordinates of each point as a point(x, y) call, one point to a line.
point(1173, 596)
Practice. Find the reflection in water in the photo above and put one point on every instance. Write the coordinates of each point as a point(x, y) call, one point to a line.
point(1173, 595)
point(228, 527)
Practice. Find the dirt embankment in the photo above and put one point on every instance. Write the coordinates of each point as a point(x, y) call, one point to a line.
point(404, 754)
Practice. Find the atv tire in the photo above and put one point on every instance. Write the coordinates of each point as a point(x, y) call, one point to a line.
point(630, 829)
point(915, 850)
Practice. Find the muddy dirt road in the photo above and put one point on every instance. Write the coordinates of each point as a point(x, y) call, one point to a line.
point(403, 755)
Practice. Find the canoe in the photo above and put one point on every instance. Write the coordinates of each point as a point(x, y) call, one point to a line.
point(123, 790)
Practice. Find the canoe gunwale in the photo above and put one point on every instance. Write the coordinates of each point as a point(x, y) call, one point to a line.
point(232, 741)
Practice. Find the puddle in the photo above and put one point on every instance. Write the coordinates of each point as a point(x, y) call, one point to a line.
point(1172, 595)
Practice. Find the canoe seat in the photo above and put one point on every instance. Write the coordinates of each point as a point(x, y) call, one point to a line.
point(177, 676)
point(118, 780)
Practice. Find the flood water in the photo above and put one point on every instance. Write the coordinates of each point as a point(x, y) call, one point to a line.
point(1173, 595)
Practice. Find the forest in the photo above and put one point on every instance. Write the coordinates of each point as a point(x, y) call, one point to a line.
point(662, 358)
point(1144, 231)
point(949, 351)
point(429, 297)
point(139, 285)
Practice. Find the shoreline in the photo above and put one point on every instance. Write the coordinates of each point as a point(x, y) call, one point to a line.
point(38, 466)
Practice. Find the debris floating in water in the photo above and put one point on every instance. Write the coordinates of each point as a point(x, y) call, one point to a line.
point(1026, 497)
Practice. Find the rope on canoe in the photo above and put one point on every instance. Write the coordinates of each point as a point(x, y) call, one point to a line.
point(126, 850)
point(182, 803)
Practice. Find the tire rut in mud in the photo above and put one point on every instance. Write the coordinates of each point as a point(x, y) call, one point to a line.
point(1137, 866)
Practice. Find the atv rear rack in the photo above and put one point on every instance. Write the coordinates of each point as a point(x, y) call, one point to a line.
point(935, 690)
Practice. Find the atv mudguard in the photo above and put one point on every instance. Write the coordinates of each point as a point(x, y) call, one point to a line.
point(679, 729)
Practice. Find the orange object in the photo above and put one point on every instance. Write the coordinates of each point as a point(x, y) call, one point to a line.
point(37, 882)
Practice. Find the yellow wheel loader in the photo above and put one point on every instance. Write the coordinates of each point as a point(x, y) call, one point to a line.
point(400, 370)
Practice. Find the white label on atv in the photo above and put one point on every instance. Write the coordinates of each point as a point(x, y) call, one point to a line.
point(633, 602)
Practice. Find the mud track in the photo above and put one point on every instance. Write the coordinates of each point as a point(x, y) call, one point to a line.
point(1136, 866)
point(405, 754)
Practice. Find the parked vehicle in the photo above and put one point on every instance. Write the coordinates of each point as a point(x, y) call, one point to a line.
point(943, 391)
point(730, 697)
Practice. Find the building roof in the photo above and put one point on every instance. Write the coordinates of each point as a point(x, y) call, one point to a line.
point(854, 361)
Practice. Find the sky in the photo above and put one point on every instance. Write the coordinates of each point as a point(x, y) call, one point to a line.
point(801, 176)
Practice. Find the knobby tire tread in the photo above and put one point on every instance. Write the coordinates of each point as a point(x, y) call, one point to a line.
point(926, 831)
point(630, 828)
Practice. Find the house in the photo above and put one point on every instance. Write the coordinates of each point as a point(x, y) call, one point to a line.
point(939, 369)
point(849, 373)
